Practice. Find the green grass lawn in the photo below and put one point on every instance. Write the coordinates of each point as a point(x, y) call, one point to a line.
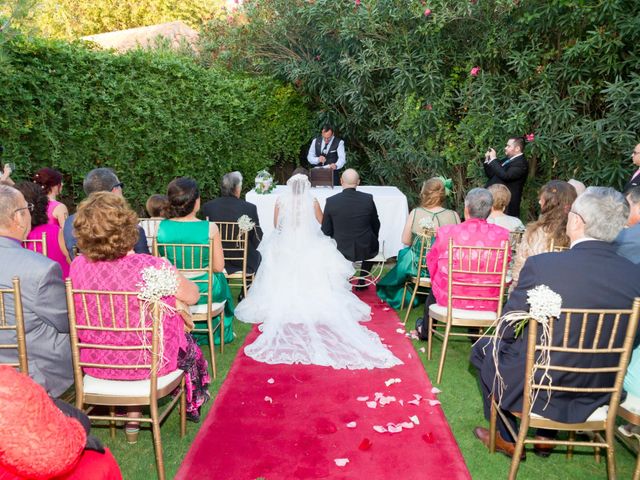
point(461, 402)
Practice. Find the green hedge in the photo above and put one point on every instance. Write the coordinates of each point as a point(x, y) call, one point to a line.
point(151, 116)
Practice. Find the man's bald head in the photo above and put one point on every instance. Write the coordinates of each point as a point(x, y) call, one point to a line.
point(350, 178)
point(9, 201)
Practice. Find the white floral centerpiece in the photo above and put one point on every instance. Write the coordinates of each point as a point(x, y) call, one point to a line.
point(545, 305)
point(264, 182)
point(156, 284)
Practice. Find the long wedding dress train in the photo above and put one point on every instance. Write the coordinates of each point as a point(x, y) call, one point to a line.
point(302, 298)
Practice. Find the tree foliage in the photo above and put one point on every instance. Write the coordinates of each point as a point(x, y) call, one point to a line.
point(150, 115)
point(396, 77)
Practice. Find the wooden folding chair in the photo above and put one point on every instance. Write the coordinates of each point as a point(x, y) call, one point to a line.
point(37, 245)
point(235, 244)
point(150, 227)
point(94, 326)
point(420, 283)
point(481, 270)
point(633, 418)
point(13, 322)
point(195, 261)
point(587, 334)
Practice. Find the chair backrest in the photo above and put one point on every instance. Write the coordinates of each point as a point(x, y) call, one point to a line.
point(583, 344)
point(556, 248)
point(17, 326)
point(480, 272)
point(95, 325)
point(234, 243)
point(150, 227)
point(425, 239)
point(194, 260)
point(37, 245)
point(515, 238)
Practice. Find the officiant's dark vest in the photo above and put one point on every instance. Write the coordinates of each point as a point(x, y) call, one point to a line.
point(330, 154)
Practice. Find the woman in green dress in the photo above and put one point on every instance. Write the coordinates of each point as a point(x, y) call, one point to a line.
point(430, 211)
point(182, 226)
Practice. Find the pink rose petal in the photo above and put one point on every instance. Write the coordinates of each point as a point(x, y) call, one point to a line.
point(379, 428)
point(362, 399)
point(417, 396)
point(435, 390)
point(409, 355)
point(271, 381)
point(414, 419)
point(423, 350)
point(401, 402)
point(372, 404)
point(351, 425)
point(433, 403)
point(406, 425)
point(400, 330)
point(414, 402)
point(385, 309)
point(268, 399)
point(391, 428)
point(341, 462)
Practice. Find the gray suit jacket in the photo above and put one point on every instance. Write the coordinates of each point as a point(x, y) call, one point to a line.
point(45, 315)
point(627, 243)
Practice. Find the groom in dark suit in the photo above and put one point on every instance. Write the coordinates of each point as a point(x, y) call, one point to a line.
point(588, 276)
point(351, 218)
point(511, 171)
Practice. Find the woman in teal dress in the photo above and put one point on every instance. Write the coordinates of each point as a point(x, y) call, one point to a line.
point(432, 197)
point(182, 226)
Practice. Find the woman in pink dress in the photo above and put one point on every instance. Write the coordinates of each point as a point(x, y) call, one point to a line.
point(56, 249)
point(50, 181)
point(107, 230)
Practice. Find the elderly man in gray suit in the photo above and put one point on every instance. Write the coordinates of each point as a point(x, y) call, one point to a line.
point(43, 298)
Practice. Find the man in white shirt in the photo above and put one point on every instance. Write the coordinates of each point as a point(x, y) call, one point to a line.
point(327, 151)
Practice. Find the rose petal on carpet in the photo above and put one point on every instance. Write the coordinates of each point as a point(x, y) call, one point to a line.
point(280, 422)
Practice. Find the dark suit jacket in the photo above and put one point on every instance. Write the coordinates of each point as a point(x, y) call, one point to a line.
point(634, 181)
point(513, 175)
point(627, 243)
point(229, 209)
point(590, 275)
point(351, 218)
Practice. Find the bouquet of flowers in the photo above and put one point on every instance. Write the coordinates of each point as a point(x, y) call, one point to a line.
point(426, 223)
point(264, 182)
point(245, 224)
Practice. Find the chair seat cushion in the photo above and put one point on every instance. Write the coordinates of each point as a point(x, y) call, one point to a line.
point(439, 311)
point(125, 388)
point(632, 403)
point(202, 309)
point(599, 415)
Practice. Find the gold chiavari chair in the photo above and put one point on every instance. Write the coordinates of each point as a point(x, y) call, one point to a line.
point(235, 244)
point(591, 337)
point(420, 283)
point(94, 326)
point(515, 238)
point(480, 271)
point(195, 261)
point(13, 323)
point(37, 245)
point(556, 248)
point(632, 417)
point(150, 227)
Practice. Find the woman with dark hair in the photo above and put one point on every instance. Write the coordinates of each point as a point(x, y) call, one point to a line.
point(556, 198)
point(107, 230)
point(182, 226)
point(56, 249)
point(430, 212)
point(50, 181)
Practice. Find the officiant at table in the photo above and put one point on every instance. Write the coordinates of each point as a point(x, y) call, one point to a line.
point(327, 151)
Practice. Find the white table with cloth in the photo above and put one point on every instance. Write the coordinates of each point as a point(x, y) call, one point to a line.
point(390, 202)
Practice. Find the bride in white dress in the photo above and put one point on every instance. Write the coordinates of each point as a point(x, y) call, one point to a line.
point(302, 297)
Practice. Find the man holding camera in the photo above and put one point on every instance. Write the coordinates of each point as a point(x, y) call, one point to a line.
point(511, 171)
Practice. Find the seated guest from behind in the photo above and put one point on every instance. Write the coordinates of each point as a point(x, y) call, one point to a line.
point(56, 249)
point(154, 206)
point(50, 181)
point(430, 212)
point(101, 180)
point(182, 226)
point(588, 276)
point(475, 231)
point(627, 242)
point(43, 299)
point(229, 207)
point(106, 229)
point(555, 202)
point(501, 198)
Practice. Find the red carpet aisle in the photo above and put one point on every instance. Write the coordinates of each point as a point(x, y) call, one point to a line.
point(289, 422)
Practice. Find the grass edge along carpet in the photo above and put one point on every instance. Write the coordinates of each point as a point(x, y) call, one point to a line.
point(277, 422)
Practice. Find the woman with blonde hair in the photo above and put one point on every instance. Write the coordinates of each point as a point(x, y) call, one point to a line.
point(430, 213)
point(501, 198)
point(556, 198)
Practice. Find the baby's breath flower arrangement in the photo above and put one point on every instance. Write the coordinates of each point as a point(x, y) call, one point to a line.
point(157, 283)
point(426, 223)
point(245, 224)
point(545, 306)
